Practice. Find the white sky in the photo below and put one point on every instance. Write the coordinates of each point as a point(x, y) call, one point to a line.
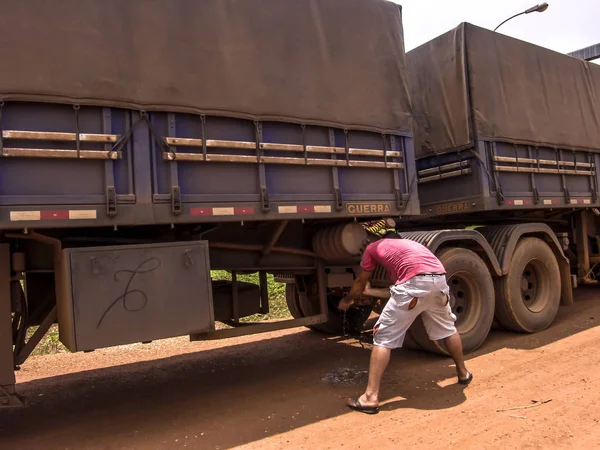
point(565, 26)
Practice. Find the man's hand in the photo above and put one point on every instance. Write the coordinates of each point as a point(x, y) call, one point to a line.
point(356, 290)
point(345, 303)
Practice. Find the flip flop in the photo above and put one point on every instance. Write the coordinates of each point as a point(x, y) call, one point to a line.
point(467, 380)
point(354, 403)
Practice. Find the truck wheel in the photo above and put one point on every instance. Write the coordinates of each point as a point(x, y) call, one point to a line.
point(410, 342)
point(527, 298)
point(292, 300)
point(302, 306)
point(473, 290)
point(496, 325)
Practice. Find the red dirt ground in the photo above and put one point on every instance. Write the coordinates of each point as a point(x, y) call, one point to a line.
point(287, 389)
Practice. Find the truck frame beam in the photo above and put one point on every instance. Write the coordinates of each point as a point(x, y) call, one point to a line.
point(254, 328)
point(587, 54)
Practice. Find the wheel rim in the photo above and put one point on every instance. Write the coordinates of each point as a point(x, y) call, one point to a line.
point(533, 289)
point(466, 307)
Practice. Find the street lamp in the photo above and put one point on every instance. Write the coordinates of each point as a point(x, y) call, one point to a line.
point(537, 8)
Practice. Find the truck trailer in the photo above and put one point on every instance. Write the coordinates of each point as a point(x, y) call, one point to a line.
point(144, 145)
point(507, 138)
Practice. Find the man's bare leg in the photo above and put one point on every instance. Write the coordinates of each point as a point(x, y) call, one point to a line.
point(454, 346)
point(380, 358)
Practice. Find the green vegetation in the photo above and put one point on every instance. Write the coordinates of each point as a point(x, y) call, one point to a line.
point(49, 344)
point(277, 310)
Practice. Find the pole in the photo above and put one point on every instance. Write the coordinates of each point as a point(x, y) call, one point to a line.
point(537, 8)
point(510, 18)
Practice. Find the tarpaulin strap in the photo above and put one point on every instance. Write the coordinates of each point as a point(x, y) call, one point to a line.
point(173, 170)
point(109, 175)
point(76, 109)
point(493, 180)
point(563, 178)
point(385, 151)
point(397, 192)
point(262, 175)
point(413, 182)
point(536, 194)
point(203, 123)
point(160, 141)
point(1, 129)
point(125, 137)
point(347, 147)
point(305, 151)
point(337, 192)
point(411, 188)
point(593, 180)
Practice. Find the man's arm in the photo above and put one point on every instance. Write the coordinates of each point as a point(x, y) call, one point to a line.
point(361, 281)
point(376, 292)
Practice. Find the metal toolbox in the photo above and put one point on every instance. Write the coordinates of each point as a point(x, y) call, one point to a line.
point(135, 293)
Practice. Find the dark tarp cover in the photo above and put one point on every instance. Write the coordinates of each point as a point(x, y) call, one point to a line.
point(327, 62)
point(519, 93)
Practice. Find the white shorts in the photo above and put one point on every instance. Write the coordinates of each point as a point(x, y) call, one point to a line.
point(424, 294)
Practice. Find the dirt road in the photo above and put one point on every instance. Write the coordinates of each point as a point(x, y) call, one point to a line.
point(287, 389)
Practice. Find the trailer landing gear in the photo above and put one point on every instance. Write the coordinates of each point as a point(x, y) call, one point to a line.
point(8, 396)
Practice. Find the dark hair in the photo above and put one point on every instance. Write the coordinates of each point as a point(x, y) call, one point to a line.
point(367, 241)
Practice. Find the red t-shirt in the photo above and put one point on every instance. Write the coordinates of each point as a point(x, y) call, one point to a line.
point(402, 258)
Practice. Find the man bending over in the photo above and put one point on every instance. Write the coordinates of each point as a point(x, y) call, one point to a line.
point(419, 288)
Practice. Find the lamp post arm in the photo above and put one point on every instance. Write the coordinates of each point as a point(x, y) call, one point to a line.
point(511, 17)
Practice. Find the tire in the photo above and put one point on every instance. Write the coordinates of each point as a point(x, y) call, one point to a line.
point(291, 298)
point(410, 343)
point(496, 325)
point(528, 297)
point(472, 287)
point(309, 305)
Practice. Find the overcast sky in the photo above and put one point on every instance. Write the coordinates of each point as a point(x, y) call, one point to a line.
point(565, 26)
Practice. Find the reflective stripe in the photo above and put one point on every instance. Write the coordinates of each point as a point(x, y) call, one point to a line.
point(60, 214)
